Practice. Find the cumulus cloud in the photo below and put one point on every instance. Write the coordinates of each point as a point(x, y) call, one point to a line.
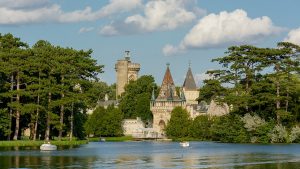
point(164, 15)
point(169, 50)
point(86, 29)
point(15, 4)
point(226, 28)
point(160, 15)
point(18, 12)
point(293, 36)
point(108, 30)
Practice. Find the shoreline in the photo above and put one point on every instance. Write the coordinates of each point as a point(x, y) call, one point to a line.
point(30, 143)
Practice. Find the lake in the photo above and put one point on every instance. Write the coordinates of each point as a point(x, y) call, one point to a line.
point(152, 154)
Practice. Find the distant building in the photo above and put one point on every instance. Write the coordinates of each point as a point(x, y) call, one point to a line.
point(165, 102)
point(162, 105)
point(126, 71)
point(191, 93)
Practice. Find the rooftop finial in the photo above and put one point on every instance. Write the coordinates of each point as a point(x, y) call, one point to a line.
point(127, 55)
point(168, 64)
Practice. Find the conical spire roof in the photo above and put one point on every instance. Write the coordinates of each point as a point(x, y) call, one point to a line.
point(189, 82)
point(168, 80)
point(168, 90)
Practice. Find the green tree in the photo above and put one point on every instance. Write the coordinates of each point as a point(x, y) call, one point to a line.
point(135, 101)
point(229, 129)
point(105, 122)
point(200, 128)
point(211, 90)
point(179, 124)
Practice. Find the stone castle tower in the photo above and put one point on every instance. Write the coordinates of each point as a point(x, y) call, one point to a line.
point(163, 105)
point(126, 71)
point(191, 93)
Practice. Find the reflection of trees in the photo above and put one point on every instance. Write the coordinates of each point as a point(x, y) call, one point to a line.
point(45, 161)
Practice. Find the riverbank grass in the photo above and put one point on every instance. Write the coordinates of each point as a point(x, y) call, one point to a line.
point(29, 143)
point(112, 139)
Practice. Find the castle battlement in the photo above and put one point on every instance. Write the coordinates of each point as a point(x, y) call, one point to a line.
point(134, 66)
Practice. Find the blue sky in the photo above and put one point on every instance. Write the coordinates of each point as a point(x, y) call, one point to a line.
point(155, 31)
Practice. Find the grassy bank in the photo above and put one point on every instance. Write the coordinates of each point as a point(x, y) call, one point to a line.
point(117, 139)
point(22, 143)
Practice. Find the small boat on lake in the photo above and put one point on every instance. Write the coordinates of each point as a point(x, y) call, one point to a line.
point(184, 144)
point(48, 147)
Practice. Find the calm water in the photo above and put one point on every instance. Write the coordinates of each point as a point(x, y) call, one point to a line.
point(156, 155)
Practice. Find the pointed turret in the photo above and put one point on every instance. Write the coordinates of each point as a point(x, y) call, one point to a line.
point(189, 82)
point(168, 90)
point(189, 88)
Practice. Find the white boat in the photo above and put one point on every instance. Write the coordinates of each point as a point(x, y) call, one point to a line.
point(48, 147)
point(184, 144)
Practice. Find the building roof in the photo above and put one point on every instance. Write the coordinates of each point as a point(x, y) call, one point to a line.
point(189, 82)
point(168, 89)
point(168, 80)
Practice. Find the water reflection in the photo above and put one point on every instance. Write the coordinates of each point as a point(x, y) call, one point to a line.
point(155, 155)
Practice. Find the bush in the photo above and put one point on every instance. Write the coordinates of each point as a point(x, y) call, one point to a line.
point(294, 137)
point(279, 134)
point(252, 122)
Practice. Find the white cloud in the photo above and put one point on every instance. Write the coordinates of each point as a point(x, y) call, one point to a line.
point(169, 50)
point(116, 6)
point(86, 29)
point(22, 3)
point(160, 15)
point(165, 15)
point(18, 12)
point(293, 36)
point(108, 30)
point(227, 28)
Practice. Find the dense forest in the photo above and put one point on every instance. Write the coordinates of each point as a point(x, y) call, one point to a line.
point(46, 88)
point(262, 87)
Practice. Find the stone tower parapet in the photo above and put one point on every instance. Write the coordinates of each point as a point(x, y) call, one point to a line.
point(126, 71)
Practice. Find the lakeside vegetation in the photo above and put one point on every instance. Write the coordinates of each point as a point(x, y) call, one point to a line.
point(49, 88)
point(261, 87)
point(111, 139)
point(30, 143)
point(46, 88)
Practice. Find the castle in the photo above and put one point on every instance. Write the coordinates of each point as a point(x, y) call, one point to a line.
point(126, 71)
point(167, 99)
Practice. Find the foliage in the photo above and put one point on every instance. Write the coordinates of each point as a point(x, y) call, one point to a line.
point(279, 134)
point(135, 101)
point(38, 86)
point(252, 122)
point(105, 122)
point(200, 127)
point(229, 128)
point(212, 88)
point(179, 123)
point(4, 121)
point(26, 143)
point(295, 134)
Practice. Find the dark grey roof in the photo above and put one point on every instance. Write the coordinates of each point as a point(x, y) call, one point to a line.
point(189, 82)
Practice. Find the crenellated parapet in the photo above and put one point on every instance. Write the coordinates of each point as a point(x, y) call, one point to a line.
point(134, 67)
